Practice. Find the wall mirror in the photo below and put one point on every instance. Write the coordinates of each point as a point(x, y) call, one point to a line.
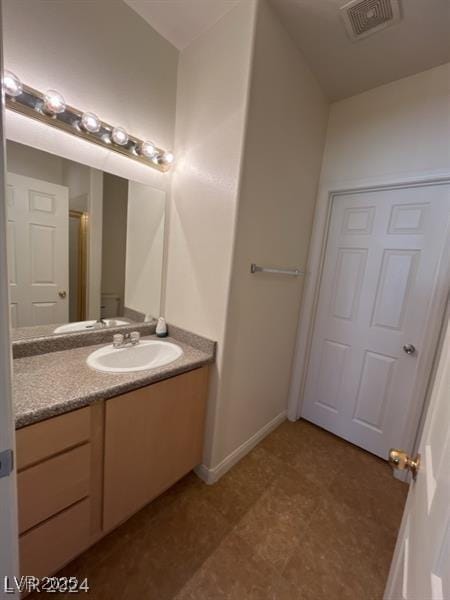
point(85, 247)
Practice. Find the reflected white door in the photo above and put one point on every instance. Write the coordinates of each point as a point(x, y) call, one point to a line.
point(378, 284)
point(421, 566)
point(38, 246)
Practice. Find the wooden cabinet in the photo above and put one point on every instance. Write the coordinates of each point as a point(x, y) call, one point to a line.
point(52, 544)
point(82, 473)
point(51, 486)
point(59, 484)
point(153, 436)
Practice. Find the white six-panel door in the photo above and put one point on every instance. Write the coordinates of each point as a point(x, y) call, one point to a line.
point(421, 566)
point(379, 278)
point(38, 251)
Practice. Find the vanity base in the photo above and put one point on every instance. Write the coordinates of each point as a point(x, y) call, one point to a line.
point(83, 473)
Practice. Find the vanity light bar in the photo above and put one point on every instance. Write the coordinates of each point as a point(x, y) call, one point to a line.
point(51, 108)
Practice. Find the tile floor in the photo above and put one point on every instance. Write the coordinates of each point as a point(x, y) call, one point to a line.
point(304, 516)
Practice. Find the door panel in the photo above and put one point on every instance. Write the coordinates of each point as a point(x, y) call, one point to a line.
point(38, 263)
point(421, 564)
point(44, 313)
point(377, 289)
point(351, 266)
point(396, 280)
point(373, 390)
point(333, 361)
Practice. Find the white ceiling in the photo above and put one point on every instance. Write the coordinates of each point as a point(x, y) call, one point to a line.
point(420, 41)
point(181, 21)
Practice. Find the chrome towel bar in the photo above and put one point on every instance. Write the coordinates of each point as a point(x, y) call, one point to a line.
point(293, 272)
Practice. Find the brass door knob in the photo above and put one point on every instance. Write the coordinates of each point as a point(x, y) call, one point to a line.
point(62, 293)
point(399, 459)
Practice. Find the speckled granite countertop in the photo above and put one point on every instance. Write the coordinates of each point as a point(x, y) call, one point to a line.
point(46, 385)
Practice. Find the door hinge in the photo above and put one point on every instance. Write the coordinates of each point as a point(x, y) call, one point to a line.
point(6, 463)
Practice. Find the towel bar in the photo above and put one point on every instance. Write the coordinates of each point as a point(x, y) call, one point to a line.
point(292, 272)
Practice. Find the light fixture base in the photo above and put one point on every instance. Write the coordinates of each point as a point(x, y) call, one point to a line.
point(30, 103)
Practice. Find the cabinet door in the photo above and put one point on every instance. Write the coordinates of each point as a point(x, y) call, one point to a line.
point(153, 436)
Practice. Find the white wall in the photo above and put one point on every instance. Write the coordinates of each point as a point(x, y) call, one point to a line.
point(287, 119)
point(94, 242)
point(392, 134)
point(144, 249)
point(77, 178)
point(29, 162)
point(102, 57)
point(397, 130)
point(114, 236)
point(211, 111)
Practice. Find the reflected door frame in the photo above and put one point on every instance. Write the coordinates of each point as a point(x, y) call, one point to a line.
point(83, 227)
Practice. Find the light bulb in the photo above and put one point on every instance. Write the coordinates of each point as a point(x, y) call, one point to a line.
point(90, 122)
point(54, 103)
point(167, 158)
point(148, 149)
point(119, 136)
point(11, 84)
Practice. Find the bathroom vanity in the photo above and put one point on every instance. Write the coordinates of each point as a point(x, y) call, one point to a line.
point(94, 448)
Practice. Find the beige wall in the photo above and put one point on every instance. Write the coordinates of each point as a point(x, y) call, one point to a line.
point(144, 249)
point(394, 133)
point(397, 130)
point(114, 236)
point(286, 129)
point(211, 111)
point(29, 162)
point(77, 178)
point(120, 68)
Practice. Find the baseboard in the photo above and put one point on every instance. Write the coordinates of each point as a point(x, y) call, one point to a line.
point(210, 476)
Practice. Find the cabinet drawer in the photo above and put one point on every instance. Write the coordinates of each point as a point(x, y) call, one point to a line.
point(52, 485)
point(42, 440)
point(48, 547)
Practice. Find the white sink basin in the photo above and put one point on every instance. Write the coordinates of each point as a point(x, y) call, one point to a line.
point(87, 325)
point(147, 354)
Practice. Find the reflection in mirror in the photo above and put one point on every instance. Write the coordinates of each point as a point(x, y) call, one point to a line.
point(85, 248)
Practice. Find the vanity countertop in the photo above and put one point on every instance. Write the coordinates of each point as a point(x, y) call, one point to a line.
point(46, 385)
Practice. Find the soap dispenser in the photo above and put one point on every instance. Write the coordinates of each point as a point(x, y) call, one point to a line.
point(161, 328)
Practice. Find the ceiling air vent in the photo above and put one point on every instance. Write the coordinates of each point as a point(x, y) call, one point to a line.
point(365, 17)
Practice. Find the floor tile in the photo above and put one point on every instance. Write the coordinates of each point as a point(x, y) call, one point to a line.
point(238, 490)
point(159, 552)
point(306, 448)
point(366, 484)
point(274, 526)
point(342, 555)
point(232, 572)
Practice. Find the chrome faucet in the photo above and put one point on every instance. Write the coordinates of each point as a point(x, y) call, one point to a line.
point(128, 339)
point(101, 322)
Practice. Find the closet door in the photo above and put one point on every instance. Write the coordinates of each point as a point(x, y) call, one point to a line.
point(376, 307)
